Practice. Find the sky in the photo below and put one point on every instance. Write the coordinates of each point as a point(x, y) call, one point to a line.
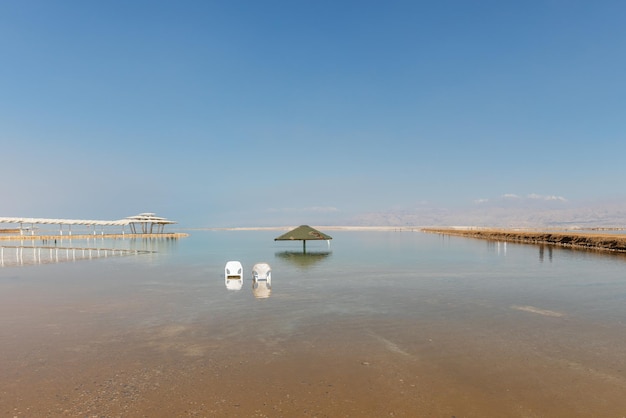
point(268, 113)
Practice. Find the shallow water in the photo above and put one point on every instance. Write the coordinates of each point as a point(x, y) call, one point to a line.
point(379, 323)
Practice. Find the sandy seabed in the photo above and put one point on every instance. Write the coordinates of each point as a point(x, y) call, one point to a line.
point(352, 366)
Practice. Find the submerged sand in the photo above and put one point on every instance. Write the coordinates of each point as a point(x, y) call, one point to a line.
point(513, 366)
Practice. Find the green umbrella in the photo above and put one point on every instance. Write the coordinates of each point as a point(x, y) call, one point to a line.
point(303, 233)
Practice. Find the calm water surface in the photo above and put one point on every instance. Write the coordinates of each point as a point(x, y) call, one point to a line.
point(407, 274)
point(404, 289)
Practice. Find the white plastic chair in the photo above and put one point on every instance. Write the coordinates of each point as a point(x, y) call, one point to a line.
point(262, 272)
point(233, 275)
point(261, 280)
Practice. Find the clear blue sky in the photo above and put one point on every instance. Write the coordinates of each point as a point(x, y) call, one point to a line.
point(229, 113)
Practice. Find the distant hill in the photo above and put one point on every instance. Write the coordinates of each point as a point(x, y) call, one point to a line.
point(557, 214)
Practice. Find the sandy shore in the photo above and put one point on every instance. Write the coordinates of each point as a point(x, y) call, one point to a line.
point(582, 240)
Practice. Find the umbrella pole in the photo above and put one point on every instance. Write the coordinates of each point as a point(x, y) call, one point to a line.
point(304, 246)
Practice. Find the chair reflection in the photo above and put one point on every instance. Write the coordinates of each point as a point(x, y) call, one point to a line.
point(233, 275)
point(261, 280)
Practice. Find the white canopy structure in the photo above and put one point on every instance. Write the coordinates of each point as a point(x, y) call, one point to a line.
point(145, 223)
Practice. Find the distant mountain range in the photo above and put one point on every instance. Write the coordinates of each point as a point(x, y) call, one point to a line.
point(522, 213)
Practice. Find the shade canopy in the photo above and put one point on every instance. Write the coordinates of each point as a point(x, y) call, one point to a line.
point(303, 233)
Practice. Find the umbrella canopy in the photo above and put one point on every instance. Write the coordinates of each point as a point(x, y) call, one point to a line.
point(303, 233)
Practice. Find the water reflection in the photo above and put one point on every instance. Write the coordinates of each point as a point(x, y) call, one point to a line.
point(497, 246)
point(160, 245)
point(261, 280)
point(261, 290)
point(152, 244)
point(21, 255)
point(234, 284)
point(541, 252)
point(56, 250)
point(302, 259)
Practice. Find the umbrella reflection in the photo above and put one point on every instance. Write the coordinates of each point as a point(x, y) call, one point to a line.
point(302, 259)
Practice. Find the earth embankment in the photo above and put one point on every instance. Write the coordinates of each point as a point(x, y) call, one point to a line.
point(582, 240)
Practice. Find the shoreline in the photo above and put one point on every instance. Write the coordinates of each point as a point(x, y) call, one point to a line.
point(576, 240)
point(594, 239)
point(329, 228)
point(404, 228)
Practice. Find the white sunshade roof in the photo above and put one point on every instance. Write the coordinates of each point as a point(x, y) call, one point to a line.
point(141, 218)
